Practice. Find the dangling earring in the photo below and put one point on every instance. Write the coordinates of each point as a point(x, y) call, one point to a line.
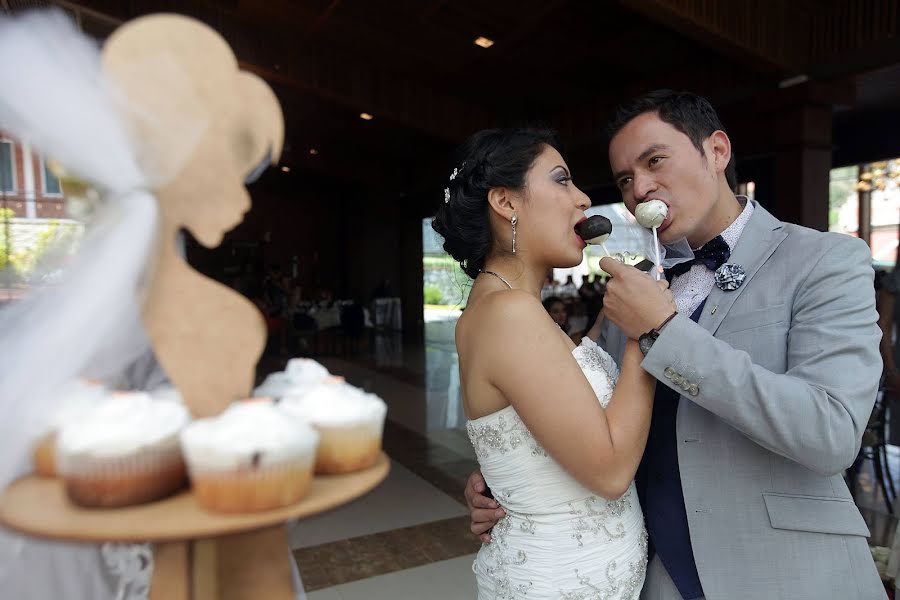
point(514, 220)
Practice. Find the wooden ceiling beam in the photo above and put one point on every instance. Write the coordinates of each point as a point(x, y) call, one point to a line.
point(766, 37)
point(326, 14)
point(351, 82)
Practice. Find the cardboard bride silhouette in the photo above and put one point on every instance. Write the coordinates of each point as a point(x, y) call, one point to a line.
point(164, 126)
point(180, 79)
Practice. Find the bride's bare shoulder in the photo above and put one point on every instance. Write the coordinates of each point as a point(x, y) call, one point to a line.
point(500, 310)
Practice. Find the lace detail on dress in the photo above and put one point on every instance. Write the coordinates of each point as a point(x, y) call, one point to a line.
point(558, 540)
point(498, 558)
point(507, 434)
point(598, 516)
point(133, 565)
point(628, 589)
point(593, 359)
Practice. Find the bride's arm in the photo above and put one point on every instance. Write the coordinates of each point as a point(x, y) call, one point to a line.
point(529, 362)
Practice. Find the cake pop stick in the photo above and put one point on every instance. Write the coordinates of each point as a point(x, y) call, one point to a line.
point(595, 230)
point(651, 215)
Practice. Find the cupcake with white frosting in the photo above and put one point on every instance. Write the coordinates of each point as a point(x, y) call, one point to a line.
point(78, 397)
point(122, 452)
point(298, 376)
point(350, 423)
point(252, 457)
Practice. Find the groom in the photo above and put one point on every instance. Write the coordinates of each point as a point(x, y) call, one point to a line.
point(768, 375)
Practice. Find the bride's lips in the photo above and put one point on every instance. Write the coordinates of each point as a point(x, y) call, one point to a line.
point(580, 239)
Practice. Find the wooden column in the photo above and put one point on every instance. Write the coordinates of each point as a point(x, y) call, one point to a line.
point(803, 164)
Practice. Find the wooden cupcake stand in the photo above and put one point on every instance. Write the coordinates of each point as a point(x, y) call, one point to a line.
point(198, 555)
point(207, 337)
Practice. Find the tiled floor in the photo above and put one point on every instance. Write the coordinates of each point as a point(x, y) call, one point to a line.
point(409, 538)
point(444, 580)
point(414, 518)
point(386, 552)
point(402, 500)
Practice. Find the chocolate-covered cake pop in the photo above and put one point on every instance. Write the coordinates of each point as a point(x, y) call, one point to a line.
point(594, 230)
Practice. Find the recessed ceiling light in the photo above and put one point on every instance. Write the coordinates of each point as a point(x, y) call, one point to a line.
point(366, 116)
point(313, 151)
point(484, 42)
point(286, 169)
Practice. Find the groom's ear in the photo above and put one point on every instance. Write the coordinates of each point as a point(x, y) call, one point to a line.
point(720, 150)
point(502, 202)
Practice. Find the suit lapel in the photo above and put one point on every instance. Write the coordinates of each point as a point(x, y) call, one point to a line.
point(760, 238)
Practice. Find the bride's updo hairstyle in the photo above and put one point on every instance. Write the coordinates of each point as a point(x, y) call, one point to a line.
point(491, 158)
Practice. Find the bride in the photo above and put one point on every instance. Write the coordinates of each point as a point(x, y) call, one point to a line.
point(557, 430)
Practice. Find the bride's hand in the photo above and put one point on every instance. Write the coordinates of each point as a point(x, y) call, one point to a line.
point(484, 511)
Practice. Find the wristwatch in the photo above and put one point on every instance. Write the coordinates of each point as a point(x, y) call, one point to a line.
point(646, 341)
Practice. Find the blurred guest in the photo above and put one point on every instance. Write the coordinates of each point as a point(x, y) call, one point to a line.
point(590, 298)
point(568, 289)
point(557, 310)
point(273, 290)
point(549, 287)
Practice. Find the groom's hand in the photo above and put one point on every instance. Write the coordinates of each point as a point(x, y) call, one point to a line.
point(634, 301)
point(485, 512)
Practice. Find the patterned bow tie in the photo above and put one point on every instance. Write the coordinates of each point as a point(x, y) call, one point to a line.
point(712, 255)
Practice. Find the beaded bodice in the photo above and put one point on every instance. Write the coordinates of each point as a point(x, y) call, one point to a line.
point(558, 540)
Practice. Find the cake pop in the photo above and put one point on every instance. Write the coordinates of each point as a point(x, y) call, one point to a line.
point(595, 230)
point(651, 215)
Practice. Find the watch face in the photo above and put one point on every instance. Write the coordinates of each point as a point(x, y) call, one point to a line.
point(645, 343)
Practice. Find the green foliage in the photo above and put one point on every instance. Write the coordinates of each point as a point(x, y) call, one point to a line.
point(5, 215)
point(439, 261)
point(451, 285)
point(22, 263)
point(433, 294)
point(841, 186)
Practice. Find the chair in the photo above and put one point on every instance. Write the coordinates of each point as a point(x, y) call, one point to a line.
point(874, 448)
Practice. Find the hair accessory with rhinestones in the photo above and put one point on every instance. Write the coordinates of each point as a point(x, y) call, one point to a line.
point(452, 177)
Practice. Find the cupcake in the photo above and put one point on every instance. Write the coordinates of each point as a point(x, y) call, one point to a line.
point(252, 457)
point(350, 423)
point(123, 452)
point(78, 397)
point(299, 375)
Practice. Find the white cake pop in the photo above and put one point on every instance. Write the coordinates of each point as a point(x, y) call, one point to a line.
point(651, 214)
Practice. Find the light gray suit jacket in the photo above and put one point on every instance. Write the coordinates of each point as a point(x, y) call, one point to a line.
point(786, 370)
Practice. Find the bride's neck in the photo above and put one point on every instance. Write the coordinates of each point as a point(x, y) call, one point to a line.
point(519, 273)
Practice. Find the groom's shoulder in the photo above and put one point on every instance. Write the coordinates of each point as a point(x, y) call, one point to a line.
point(809, 245)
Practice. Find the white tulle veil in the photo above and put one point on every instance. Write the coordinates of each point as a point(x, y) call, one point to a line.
point(56, 97)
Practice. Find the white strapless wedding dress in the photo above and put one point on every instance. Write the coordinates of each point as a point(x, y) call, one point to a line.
point(558, 539)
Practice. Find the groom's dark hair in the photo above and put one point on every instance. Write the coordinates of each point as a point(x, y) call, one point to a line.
point(689, 113)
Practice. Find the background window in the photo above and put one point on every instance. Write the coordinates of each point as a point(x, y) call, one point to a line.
point(7, 170)
point(51, 183)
